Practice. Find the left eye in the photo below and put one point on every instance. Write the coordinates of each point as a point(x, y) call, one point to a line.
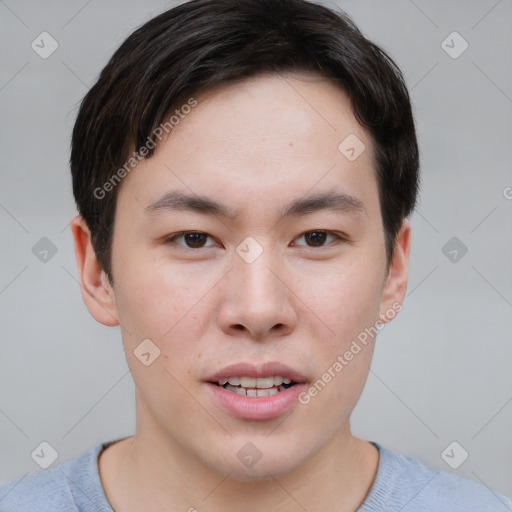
point(318, 237)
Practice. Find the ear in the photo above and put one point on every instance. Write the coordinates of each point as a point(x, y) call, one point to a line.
point(393, 293)
point(97, 291)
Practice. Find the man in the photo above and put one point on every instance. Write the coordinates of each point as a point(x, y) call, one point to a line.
point(244, 172)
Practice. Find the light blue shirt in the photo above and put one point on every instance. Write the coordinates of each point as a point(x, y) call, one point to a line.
point(402, 484)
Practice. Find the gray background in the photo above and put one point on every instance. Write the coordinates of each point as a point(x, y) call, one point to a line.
point(441, 371)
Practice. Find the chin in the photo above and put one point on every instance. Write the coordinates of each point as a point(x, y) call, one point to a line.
point(262, 471)
point(261, 459)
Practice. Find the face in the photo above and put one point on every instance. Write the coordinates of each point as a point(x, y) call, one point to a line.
point(250, 251)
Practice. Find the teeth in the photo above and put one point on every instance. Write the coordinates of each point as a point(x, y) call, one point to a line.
point(247, 382)
point(251, 382)
point(266, 392)
point(265, 382)
point(253, 392)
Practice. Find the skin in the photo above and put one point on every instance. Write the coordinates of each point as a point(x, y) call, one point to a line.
point(253, 147)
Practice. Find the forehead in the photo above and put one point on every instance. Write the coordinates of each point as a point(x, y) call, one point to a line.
point(270, 138)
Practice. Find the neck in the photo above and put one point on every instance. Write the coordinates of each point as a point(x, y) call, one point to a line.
point(150, 472)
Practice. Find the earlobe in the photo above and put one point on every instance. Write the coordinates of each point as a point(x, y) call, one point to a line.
point(97, 292)
point(396, 283)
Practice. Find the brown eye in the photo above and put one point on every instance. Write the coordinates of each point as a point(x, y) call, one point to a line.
point(195, 240)
point(192, 239)
point(318, 237)
point(315, 238)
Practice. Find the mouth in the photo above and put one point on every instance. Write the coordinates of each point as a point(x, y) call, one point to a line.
point(256, 392)
point(254, 387)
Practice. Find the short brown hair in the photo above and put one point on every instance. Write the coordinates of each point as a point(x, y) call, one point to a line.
point(204, 43)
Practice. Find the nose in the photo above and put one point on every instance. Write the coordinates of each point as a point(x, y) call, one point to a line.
point(256, 301)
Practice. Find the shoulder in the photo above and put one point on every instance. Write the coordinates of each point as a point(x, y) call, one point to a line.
point(43, 491)
point(56, 488)
point(405, 483)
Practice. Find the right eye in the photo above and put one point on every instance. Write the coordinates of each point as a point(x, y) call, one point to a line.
point(191, 239)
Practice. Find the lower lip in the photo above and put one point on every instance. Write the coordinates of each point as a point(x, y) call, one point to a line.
point(259, 407)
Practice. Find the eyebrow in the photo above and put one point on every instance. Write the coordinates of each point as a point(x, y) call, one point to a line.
point(178, 201)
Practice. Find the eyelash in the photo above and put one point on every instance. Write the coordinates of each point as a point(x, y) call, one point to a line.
point(181, 234)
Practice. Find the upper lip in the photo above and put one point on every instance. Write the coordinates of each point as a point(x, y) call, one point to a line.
point(267, 369)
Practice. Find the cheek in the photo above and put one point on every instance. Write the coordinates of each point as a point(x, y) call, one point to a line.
point(168, 308)
point(347, 300)
point(163, 299)
point(349, 306)
point(344, 299)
